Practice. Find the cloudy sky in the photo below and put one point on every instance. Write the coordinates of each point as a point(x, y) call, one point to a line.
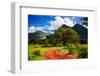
point(49, 23)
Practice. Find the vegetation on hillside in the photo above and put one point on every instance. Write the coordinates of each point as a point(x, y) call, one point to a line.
point(63, 44)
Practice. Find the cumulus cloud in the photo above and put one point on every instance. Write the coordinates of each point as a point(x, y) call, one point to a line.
point(34, 29)
point(45, 29)
point(59, 21)
point(69, 22)
point(55, 24)
point(39, 28)
point(31, 29)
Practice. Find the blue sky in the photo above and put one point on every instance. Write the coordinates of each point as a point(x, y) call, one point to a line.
point(49, 23)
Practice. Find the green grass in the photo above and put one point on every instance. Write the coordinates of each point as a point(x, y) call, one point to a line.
point(82, 46)
point(42, 50)
point(83, 51)
point(31, 48)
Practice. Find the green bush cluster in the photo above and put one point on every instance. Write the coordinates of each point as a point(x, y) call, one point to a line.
point(35, 55)
point(59, 45)
point(83, 52)
point(72, 48)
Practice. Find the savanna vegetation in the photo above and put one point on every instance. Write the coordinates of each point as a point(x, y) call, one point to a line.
point(63, 44)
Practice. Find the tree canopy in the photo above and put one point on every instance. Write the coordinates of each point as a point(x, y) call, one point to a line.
point(66, 35)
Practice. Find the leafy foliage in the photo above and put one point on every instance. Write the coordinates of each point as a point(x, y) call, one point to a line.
point(72, 48)
point(67, 35)
point(63, 44)
point(83, 52)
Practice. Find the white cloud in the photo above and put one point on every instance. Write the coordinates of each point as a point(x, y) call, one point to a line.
point(31, 29)
point(69, 22)
point(39, 28)
point(34, 29)
point(59, 21)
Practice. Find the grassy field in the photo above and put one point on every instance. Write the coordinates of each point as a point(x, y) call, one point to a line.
point(40, 51)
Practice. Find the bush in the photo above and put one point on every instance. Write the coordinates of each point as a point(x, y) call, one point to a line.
point(72, 48)
point(59, 44)
point(35, 55)
point(83, 52)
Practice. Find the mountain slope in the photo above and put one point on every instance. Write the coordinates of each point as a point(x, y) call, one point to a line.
point(38, 35)
point(82, 31)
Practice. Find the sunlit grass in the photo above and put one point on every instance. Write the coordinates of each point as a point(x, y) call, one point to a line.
point(42, 50)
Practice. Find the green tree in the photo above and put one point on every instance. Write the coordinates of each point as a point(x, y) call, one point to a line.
point(66, 35)
point(70, 36)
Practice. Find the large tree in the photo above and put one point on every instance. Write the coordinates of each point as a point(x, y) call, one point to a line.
point(66, 35)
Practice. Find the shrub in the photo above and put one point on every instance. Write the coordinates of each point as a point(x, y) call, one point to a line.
point(83, 52)
point(72, 48)
point(59, 44)
point(36, 53)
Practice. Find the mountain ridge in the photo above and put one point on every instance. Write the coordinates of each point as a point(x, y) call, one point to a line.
point(81, 30)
